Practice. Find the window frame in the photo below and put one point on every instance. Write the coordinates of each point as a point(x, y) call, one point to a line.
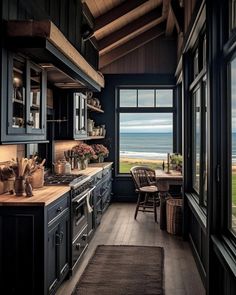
point(137, 109)
point(198, 82)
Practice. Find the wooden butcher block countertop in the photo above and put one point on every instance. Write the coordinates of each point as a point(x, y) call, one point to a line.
point(41, 197)
point(48, 194)
point(93, 168)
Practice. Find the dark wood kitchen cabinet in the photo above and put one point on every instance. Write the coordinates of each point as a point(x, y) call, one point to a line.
point(102, 193)
point(34, 247)
point(58, 251)
point(71, 113)
point(23, 101)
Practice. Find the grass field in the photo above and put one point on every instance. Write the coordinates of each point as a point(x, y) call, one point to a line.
point(125, 165)
point(234, 193)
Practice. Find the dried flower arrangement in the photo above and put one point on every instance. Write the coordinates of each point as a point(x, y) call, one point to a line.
point(100, 150)
point(83, 151)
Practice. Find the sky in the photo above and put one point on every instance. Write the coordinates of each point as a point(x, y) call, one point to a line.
point(145, 122)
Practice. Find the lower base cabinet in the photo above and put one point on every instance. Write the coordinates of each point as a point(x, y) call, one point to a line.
point(34, 247)
point(102, 193)
point(36, 251)
point(58, 252)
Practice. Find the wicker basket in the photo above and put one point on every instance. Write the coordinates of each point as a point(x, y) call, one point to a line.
point(174, 216)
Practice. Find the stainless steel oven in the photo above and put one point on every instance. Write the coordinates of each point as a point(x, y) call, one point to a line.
point(81, 210)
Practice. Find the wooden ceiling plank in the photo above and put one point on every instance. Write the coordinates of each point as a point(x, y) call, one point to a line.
point(129, 29)
point(131, 45)
point(116, 13)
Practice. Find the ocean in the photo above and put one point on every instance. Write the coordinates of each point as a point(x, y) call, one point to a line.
point(146, 145)
point(153, 145)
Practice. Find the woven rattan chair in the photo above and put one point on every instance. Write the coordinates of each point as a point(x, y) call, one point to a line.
point(145, 185)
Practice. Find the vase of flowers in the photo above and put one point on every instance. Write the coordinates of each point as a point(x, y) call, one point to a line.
point(100, 151)
point(83, 152)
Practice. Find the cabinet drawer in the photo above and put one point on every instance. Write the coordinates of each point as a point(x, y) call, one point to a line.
point(79, 246)
point(61, 205)
point(98, 177)
point(106, 171)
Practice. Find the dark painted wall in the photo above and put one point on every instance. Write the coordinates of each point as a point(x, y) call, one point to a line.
point(123, 186)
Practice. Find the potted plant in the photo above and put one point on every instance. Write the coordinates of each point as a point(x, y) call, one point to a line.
point(83, 152)
point(101, 152)
point(176, 161)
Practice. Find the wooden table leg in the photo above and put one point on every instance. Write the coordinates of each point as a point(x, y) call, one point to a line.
point(163, 196)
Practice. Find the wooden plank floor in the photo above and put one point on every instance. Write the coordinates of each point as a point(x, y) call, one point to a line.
point(118, 227)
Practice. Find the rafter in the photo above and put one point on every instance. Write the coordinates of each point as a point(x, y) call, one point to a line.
point(178, 15)
point(141, 24)
point(131, 45)
point(116, 12)
point(170, 24)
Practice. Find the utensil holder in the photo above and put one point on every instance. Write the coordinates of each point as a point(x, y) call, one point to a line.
point(19, 186)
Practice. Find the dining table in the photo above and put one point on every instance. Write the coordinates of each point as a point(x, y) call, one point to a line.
point(164, 181)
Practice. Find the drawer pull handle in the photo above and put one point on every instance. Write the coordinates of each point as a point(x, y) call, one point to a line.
point(84, 237)
point(77, 246)
point(59, 209)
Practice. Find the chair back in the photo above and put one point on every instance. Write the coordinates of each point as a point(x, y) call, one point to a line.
point(143, 176)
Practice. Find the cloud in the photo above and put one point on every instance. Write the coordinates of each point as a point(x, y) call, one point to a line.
point(148, 122)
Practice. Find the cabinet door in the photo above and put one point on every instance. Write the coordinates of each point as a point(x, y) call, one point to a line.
point(17, 95)
point(64, 228)
point(26, 101)
point(36, 94)
point(53, 257)
point(58, 251)
point(80, 115)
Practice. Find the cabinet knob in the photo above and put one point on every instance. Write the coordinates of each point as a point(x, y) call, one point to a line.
point(77, 246)
point(59, 209)
point(84, 237)
point(30, 123)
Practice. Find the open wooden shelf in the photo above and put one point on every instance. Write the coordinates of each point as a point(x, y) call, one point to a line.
point(95, 137)
point(90, 107)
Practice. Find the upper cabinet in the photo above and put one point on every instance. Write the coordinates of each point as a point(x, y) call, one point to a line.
point(71, 115)
point(80, 115)
point(24, 117)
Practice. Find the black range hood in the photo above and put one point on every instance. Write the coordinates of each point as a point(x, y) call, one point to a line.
point(45, 44)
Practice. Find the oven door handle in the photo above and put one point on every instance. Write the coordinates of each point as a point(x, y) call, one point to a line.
point(80, 198)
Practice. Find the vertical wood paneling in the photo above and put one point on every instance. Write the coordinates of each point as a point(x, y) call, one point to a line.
point(78, 22)
point(12, 11)
point(63, 17)
point(54, 11)
point(157, 56)
point(71, 22)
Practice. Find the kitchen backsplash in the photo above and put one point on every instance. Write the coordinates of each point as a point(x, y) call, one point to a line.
point(7, 152)
point(63, 145)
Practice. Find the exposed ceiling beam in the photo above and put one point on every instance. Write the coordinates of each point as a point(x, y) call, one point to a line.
point(170, 24)
point(87, 14)
point(178, 15)
point(116, 12)
point(141, 24)
point(165, 7)
point(131, 45)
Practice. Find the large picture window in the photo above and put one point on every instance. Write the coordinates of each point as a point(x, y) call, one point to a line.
point(145, 127)
point(199, 141)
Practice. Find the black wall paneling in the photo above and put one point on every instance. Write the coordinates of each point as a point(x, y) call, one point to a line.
point(66, 15)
